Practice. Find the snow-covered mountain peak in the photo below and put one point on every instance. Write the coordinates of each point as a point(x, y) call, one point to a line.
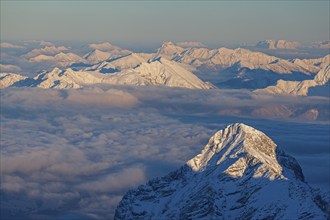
point(168, 50)
point(239, 146)
point(238, 175)
point(96, 56)
point(161, 71)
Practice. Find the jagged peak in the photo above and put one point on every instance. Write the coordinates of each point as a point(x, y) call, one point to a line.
point(239, 143)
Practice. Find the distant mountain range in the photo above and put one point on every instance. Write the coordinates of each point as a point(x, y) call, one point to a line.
point(240, 174)
point(159, 72)
point(291, 45)
point(224, 68)
point(278, 44)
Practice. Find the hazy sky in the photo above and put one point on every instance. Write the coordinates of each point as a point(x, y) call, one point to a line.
point(150, 22)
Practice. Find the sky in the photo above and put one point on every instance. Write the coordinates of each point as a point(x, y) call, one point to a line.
point(152, 22)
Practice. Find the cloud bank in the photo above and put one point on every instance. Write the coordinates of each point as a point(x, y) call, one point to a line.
point(74, 153)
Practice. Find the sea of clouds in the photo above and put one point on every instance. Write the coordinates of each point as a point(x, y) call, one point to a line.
point(72, 154)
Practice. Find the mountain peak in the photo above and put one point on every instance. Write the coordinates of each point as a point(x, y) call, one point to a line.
point(212, 185)
point(236, 146)
point(168, 50)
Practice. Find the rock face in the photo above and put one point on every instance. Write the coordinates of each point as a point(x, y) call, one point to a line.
point(240, 174)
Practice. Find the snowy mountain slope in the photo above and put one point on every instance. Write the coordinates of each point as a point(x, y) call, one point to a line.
point(299, 88)
point(237, 59)
point(164, 72)
point(168, 50)
point(225, 68)
point(242, 68)
point(96, 56)
point(103, 51)
point(240, 174)
point(160, 72)
point(125, 62)
point(64, 79)
point(223, 58)
point(317, 64)
point(9, 79)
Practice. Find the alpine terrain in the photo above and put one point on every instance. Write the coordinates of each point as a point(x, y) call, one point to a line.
point(158, 72)
point(240, 174)
point(302, 88)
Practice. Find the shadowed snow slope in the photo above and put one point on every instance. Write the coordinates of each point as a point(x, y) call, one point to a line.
point(240, 174)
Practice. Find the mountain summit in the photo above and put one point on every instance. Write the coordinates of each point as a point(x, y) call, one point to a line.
point(237, 147)
point(240, 174)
